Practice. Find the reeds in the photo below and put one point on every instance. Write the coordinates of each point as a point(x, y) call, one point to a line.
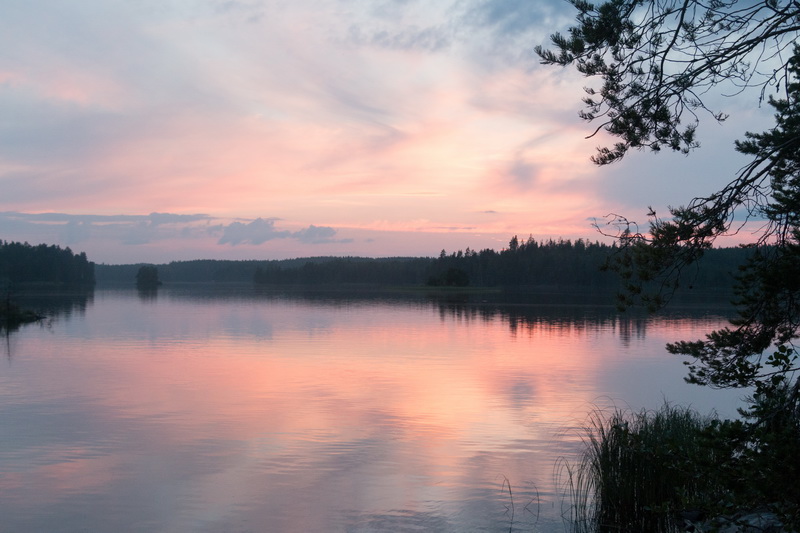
point(640, 471)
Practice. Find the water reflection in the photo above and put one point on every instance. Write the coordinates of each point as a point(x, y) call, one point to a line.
point(49, 303)
point(214, 410)
point(562, 313)
point(522, 311)
point(56, 302)
point(147, 294)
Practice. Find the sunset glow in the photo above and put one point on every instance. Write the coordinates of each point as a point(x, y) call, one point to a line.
point(399, 128)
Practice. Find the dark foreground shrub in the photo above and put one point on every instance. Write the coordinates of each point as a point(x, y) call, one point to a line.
point(655, 470)
point(639, 470)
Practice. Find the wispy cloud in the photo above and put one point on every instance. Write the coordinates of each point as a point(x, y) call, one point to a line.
point(514, 17)
point(428, 39)
point(290, 124)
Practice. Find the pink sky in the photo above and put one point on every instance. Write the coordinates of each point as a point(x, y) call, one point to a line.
point(262, 129)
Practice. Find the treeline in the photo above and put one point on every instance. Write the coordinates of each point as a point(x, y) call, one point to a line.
point(530, 263)
point(25, 263)
point(347, 270)
point(304, 271)
point(568, 263)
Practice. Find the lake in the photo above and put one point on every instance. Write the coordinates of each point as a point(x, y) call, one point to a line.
point(226, 408)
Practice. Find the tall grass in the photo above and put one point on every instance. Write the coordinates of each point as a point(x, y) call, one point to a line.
point(640, 470)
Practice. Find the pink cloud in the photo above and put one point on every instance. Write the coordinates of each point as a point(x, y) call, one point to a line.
point(313, 115)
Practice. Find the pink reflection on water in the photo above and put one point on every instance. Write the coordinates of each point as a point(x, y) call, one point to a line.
point(287, 415)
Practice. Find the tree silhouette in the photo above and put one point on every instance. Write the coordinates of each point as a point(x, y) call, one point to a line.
point(658, 59)
point(657, 62)
point(147, 277)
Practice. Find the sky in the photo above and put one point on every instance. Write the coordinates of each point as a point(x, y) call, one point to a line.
point(160, 130)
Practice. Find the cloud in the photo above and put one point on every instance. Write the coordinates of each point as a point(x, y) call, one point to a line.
point(452, 228)
point(69, 229)
point(262, 230)
point(332, 111)
point(160, 226)
point(522, 172)
point(252, 11)
point(75, 232)
point(317, 235)
point(258, 231)
point(143, 229)
point(126, 229)
point(513, 17)
point(154, 218)
point(428, 39)
point(171, 218)
point(141, 233)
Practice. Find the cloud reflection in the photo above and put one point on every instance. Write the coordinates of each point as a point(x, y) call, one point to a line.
point(195, 412)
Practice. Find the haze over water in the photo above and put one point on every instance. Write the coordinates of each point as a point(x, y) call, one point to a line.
point(235, 410)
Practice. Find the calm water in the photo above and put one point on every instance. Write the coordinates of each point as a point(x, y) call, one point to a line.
point(231, 410)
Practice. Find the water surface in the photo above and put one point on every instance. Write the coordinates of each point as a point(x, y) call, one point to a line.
point(221, 409)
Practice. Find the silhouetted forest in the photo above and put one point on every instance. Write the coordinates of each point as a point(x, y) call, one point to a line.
point(546, 264)
point(25, 263)
point(564, 263)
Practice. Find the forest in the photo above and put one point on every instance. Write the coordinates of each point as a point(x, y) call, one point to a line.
point(51, 264)
point(523, 263)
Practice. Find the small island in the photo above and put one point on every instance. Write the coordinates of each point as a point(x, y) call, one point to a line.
point(147, 277)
